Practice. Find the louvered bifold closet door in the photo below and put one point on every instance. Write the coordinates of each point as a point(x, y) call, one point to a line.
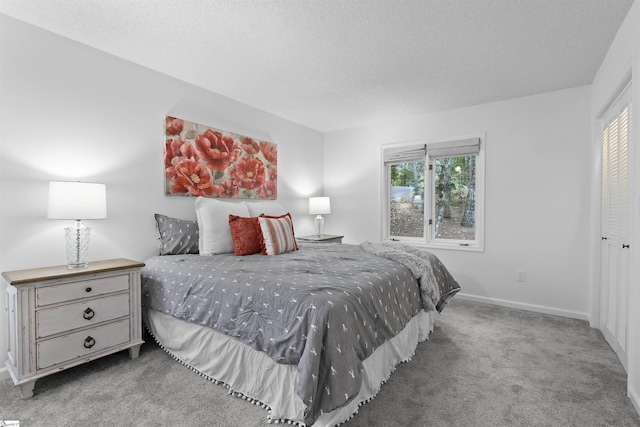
point(615, 232)
point(606, 259)
point(624, 229)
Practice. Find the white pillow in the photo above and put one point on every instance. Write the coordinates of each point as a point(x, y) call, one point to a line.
point(213, 223)
point(267, 208)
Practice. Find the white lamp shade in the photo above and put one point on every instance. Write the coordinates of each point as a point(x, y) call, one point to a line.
point(77, 200)
point(319, 205)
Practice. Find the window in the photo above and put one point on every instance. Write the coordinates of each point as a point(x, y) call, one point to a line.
point(433, 194)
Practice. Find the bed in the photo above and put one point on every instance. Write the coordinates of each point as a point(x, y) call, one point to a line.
point(310, 334)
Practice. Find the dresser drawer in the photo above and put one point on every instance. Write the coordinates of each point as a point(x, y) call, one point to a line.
point(82, 289)
point(82, 343)
point(86, 313)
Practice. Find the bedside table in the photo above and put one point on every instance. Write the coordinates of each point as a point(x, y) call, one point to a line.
point(60, 317)
point(325, 238)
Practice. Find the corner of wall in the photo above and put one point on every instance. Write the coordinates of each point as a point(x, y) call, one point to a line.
point(634, 396)
point(4, 374)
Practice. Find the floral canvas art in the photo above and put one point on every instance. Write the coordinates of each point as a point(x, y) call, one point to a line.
point(203, 161)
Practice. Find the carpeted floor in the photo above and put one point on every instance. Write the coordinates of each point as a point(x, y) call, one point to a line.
point(483, 366)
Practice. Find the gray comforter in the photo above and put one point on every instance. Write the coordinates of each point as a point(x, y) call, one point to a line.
point(324, 308)
point(436, 283)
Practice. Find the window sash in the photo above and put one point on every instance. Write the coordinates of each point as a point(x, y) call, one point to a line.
point(431, 233)
point(388, 186)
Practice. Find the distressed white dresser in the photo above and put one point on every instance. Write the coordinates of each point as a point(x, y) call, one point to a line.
point(58, 317)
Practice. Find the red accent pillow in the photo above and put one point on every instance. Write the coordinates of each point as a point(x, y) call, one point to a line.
point(246, 235)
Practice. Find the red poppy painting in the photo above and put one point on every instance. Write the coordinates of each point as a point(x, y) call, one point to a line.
point(203, 161)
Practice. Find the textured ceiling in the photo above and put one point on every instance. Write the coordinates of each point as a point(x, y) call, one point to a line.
point(335, 64)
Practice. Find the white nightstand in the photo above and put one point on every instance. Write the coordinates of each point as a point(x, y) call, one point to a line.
point(59, 317)
point(325, 238)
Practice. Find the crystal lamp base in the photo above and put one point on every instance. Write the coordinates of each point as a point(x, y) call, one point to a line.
point(77, 243)
point(319, 226)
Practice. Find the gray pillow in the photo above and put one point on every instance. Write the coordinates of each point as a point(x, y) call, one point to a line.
point(176, 236)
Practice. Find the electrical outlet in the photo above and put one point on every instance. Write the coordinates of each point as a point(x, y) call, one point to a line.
point(521, 276)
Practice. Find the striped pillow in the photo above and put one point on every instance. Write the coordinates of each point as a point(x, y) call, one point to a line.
point(277, 234)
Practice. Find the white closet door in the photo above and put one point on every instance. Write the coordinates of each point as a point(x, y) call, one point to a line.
point(616, 228)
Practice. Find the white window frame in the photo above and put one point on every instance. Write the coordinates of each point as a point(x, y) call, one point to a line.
point(450, 147)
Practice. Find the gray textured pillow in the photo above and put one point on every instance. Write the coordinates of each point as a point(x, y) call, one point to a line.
point(176, 236)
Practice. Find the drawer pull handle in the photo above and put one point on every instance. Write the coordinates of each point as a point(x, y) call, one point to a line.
point(89, 342)
point(88, 289)
point(88, 314)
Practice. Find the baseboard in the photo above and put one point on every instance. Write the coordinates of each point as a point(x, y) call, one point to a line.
point(635, 398)
point(527, 307)
point(4, 374)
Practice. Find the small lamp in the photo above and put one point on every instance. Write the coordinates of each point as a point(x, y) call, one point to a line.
point(319, 206)
point(78, 201)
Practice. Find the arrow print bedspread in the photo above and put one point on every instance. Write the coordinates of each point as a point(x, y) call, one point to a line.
point(324, 308)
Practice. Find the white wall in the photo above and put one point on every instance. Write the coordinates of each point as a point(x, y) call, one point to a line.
point(70, 112)
point(623, 56)
point(538, 170)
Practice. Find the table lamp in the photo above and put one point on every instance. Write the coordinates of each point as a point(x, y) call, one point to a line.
point(77, 201)
point(319, 206)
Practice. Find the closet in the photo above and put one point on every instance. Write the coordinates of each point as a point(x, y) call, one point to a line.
point(616, 226)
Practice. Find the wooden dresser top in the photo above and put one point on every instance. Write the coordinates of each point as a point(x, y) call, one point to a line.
point(21, 277)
